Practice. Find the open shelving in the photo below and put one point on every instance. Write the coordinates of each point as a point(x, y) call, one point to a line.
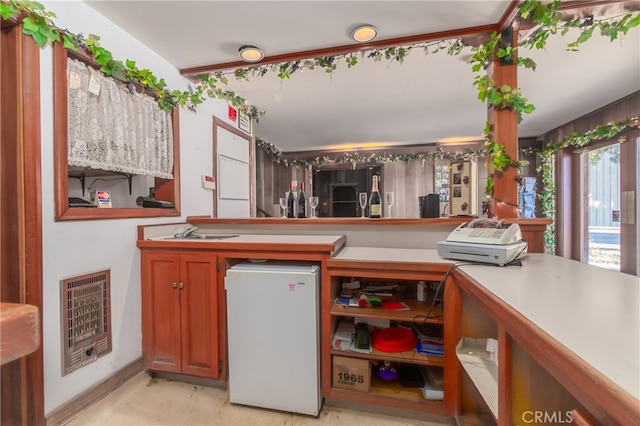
point(383, 393)
point(482, 370)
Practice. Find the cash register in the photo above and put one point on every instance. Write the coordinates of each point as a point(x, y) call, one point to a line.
point(486, 241)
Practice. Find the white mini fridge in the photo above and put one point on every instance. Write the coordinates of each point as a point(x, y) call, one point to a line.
point(273, 334)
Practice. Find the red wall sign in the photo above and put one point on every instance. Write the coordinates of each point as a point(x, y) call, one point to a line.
point(233, 113)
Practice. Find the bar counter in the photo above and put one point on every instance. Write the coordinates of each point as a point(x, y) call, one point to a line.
point(423, 233)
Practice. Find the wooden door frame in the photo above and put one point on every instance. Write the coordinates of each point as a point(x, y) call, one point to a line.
point(217, 122)
point(22, 230)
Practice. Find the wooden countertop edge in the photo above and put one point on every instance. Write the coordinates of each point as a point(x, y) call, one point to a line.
point(457, 220)
point(598, 393)
point(225, 245)
point(19, 330)
point(401, 265)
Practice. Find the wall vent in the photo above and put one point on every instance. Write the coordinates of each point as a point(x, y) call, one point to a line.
point(86, 319)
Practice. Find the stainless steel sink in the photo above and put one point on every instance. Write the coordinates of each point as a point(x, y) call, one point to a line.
point(209, 237)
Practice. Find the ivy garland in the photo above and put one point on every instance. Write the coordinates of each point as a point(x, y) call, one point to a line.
point(547, 156)
point(356, 158)
point(38, 23)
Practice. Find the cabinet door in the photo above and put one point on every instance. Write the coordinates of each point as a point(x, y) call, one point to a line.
point(199, 315)
point(161, 311)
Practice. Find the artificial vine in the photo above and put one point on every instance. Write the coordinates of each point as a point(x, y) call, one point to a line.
point(547, 155)
point(38, 23)
point(353, 159)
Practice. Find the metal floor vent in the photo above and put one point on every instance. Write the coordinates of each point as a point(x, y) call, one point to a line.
point(86, 319)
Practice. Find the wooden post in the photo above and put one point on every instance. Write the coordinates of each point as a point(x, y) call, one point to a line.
point(504, 125)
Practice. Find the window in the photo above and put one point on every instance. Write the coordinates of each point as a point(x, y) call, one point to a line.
point(165, 188)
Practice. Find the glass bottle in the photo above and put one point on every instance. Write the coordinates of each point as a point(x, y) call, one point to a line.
point(302, 202)
point(291, 202)
point(375, 202)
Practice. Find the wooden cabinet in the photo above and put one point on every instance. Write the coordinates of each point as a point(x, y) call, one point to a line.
point(539, 379)
point(383, 393)
point(180, 312)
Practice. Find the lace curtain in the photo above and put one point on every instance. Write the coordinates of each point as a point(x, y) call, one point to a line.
point(117, 130)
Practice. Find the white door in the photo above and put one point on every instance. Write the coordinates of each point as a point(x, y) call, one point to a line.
point(233, 170)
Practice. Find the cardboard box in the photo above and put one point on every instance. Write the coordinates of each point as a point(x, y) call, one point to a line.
point(351, 373)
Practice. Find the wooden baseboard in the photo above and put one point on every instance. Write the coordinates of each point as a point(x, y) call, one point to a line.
point(66, 412)
point(193, 380)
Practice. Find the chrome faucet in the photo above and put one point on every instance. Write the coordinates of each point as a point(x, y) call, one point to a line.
point(186, 233)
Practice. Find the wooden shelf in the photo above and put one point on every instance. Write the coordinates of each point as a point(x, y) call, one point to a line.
point(396, 390)
point(19, 330)
point(391, 394)
point(413, 315)
point(82, 173)
point(407, 357)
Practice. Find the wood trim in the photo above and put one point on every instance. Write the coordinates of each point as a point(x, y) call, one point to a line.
point(169, 188)
point(453, 332)
point(32, 178)
point(338, 50)
point(22, 214)
point(604, 399)
point(19, 330)
point(434, 271)
point(222, 319)
point(505, 132)
point(246, 250)
point(509, 15)
point(81, 402)
point(504, 377)
point(330, 221)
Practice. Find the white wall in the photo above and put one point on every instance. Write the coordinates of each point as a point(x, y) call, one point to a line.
point(71, 248)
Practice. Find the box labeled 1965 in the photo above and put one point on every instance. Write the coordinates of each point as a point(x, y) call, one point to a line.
point(351, 373)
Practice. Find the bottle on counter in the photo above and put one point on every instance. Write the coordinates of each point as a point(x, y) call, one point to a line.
point(291, 202)
point(302, 202)
point(375, 202)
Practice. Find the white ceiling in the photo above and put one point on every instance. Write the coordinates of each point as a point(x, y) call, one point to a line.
point(427, 99)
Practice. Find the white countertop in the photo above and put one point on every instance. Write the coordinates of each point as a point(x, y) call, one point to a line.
point(257, 238)
point(592, 311)
point(386, 255)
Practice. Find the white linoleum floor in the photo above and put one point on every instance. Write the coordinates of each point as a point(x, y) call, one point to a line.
point(145, 400)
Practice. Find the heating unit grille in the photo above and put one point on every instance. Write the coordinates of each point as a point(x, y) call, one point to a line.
point(86, 319)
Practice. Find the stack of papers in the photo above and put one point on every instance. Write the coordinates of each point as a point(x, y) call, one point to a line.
point(430, 346)
point(344, 338)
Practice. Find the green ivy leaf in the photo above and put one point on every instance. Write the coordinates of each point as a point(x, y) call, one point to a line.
point(6, 11)
point(495, 98)
point(68, 42)
point(585, 35)
point(29, 27)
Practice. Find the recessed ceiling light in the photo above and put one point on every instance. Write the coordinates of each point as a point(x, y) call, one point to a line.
point(364, 33)
point(250, 53)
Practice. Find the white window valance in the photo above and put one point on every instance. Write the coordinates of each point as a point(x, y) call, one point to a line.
point(116, 130)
